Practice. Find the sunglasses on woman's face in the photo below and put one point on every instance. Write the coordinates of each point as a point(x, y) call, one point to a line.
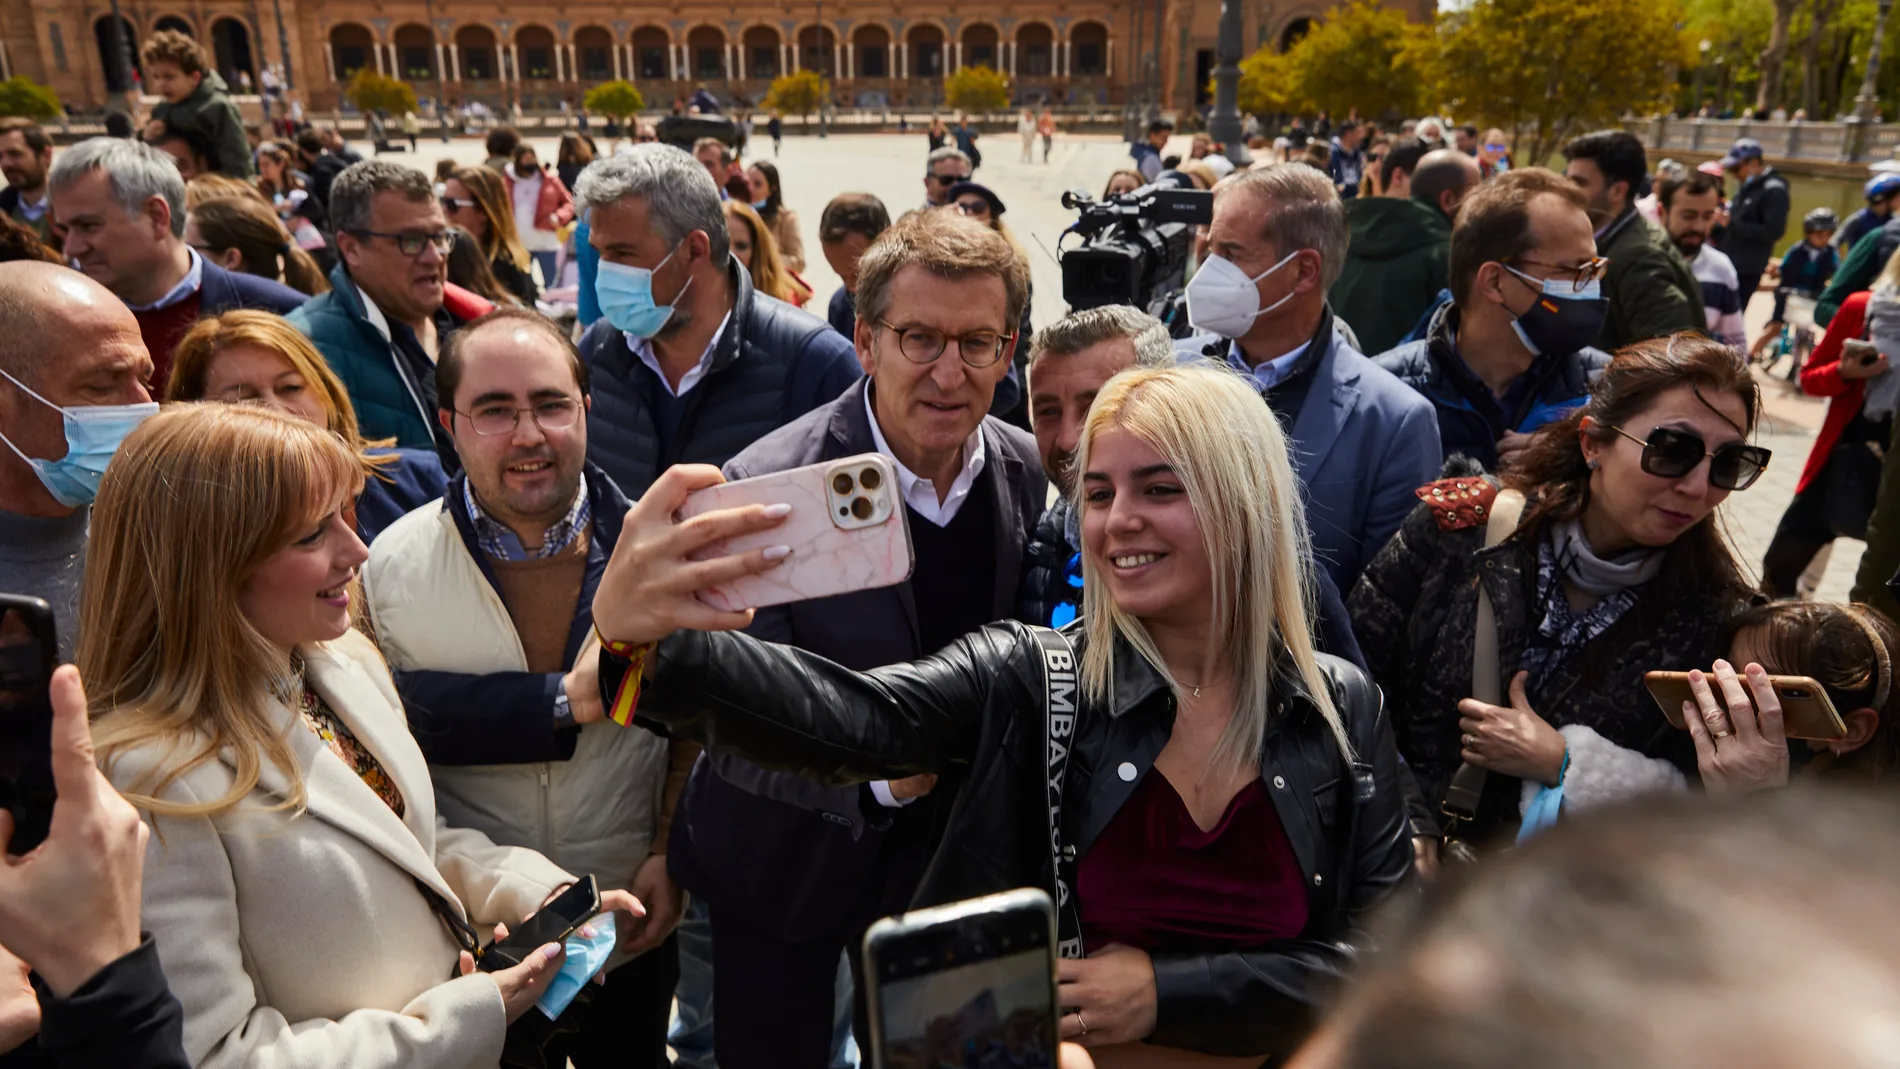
point(1672, 454)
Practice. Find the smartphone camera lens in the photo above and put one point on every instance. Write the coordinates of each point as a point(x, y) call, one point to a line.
point(861, 508)
point(841, 483)
point(1797, 693)
point(870, 478)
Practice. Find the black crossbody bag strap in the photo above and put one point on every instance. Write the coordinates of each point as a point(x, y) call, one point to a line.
point(1058, 717)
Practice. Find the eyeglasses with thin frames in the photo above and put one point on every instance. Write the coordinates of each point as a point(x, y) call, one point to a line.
point(1580, 275)
point(489, 420)
point(410, 243)
point(923, 345)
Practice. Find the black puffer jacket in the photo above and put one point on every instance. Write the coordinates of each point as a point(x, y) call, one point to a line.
point(772, 364)
point(974, 714)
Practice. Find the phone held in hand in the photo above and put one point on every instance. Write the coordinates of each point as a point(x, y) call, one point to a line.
point(970, 983)
point(552, 923)
point(1806, 710)
point(846, 529)
point(29, 651)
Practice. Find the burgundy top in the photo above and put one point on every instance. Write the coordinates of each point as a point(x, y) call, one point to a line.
point(1155, 881)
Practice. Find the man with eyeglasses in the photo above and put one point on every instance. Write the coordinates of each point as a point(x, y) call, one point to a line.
point(121, 205)
point(938, 299)
point(1511, 352)
point(1651, 290)
point(943, 168)
point(482, 603)
point(390, 307)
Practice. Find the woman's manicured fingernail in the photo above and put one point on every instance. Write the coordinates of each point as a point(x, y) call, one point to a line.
point(551, 951)
point(780, 509)
point(1696, 676)
point(778, 553)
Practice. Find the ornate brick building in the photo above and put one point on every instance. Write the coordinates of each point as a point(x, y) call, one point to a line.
point(498, 51)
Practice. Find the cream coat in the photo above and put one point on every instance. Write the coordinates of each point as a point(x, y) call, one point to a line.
point(302, 940)
point(593, 813)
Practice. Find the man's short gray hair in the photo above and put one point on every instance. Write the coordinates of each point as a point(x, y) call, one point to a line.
point(135, 172)
point(357, 186)
point(1091, 326)
point(948, 152)
point(725, 150)
point(1303, 212)
point(680, 194)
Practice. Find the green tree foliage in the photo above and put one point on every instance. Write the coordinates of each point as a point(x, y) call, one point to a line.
point(28, 100)
point(618, 100)
point(977, 90)
point(370, 91)
point(1362, 58)
point(1550, 69)
point(798, 93)
point(1264, 84)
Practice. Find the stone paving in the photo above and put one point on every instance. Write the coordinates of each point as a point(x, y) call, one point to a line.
point(892, 166)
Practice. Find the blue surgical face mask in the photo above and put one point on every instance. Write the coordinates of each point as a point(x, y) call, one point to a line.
point(1563, 318)
point(93, 434)
point(626, 297)
point(759, 205)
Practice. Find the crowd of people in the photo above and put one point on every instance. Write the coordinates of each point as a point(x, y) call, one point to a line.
point(356, 492)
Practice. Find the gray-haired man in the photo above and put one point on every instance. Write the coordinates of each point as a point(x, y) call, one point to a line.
point(390, 308)
point(122, 206)
point(1069, 363)
point(690, 364)
point(943, 168)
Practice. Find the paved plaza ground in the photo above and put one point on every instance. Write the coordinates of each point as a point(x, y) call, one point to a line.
point(892, 167)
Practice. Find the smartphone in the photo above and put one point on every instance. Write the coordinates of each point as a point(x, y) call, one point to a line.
point(29, 651)
point(846, 529)
point(970, 983)
point(1806, 710)
point(552, 923)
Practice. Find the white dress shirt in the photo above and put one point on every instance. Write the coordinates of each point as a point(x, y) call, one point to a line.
point(918, 492)
point(921, 495)
point(643, 348)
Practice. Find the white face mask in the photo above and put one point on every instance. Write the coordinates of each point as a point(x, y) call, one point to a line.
point(1222, 299)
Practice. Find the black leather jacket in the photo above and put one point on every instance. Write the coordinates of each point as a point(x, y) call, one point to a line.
point(973, 713)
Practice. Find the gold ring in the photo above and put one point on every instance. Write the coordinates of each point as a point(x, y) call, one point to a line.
point(1080, 1021)
point(1721, 734)
point(1470, 741)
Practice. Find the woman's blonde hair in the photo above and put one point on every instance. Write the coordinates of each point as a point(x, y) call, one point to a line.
point(1230, 454)
point(1889, 280)
point(491, 192)
point(196, 499)
point(214, 186)
point(191, 366)
point(769, 275)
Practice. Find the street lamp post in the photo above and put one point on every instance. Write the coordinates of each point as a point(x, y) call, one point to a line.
point(1868, 97)
point(823, 98)
point(1224, 125)
point(441, 78)
point(118, 59)
point(1701, 68)
point(283, 44)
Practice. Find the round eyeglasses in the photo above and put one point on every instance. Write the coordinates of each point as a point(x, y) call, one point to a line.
point(922, 345)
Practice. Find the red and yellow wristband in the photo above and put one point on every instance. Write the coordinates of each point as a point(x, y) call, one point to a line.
point(627, 694)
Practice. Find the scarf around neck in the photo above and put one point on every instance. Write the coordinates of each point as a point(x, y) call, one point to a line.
point(1598, 575)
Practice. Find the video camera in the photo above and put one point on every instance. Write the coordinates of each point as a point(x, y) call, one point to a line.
point(1135, 246)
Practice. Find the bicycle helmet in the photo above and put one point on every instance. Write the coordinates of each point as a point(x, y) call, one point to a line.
point(1819, 219)
point(1881, 186)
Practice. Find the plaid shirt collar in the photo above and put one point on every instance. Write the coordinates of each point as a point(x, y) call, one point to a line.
point(498, 541)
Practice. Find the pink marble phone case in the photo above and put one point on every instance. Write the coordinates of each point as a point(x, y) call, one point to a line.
point(826, 559)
